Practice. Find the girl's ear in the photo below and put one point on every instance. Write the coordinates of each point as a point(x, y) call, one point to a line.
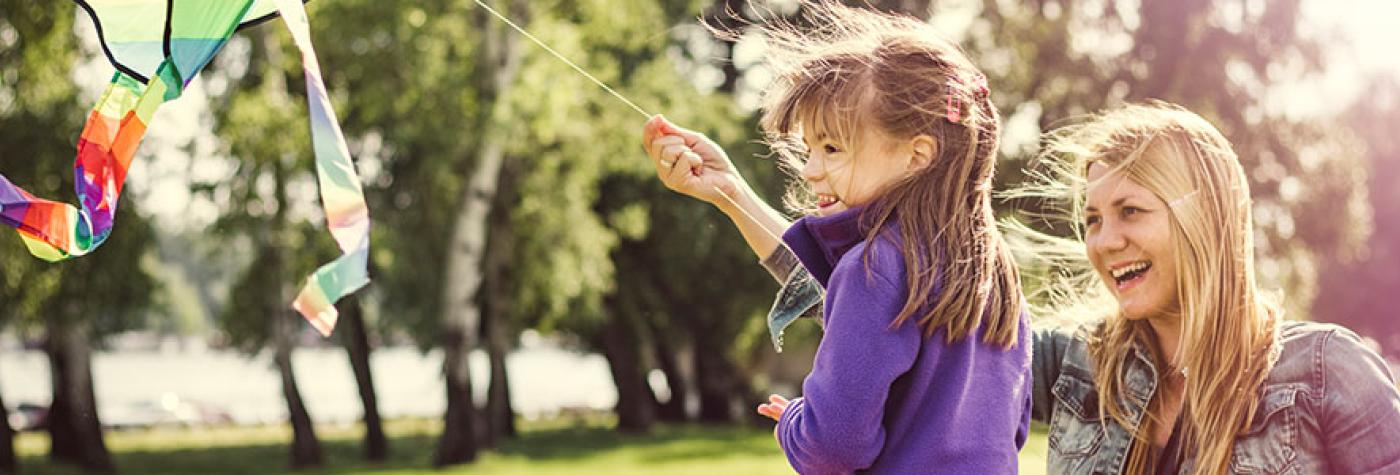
point(924, 151)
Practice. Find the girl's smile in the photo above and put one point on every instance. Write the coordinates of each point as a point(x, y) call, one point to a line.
point(825, 201)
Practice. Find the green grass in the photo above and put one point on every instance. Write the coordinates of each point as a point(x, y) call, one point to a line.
point(549, 447)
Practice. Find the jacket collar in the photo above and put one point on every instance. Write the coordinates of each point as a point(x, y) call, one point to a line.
point(820, 241)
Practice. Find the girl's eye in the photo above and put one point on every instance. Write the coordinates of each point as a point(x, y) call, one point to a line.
point(1090, 221)
point(829, 148)
point(1129, 211)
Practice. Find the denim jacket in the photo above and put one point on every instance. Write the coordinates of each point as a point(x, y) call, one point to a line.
point(1329, 405)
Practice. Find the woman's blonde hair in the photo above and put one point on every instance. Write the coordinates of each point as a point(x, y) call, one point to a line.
point(843, 70)
point(1228, 338)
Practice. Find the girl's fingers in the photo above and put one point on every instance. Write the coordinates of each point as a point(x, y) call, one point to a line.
point(777, 400)
point(677, 172)
point(673, 151)
point(691, 137)
point(692, 160)
point(664, 140)
point(656, 144)
point(650, 131)
point(672, 147)
point(669, 155)
point(695, 140)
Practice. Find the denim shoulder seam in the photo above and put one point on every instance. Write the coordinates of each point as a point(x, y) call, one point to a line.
point(1320, 364)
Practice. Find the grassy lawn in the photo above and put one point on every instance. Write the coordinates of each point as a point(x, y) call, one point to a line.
point(551, 447)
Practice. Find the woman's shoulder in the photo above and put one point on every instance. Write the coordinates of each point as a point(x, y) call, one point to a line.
point(1305, 343)
point(1325, 356)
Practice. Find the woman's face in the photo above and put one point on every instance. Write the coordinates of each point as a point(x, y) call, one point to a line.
point(1128, 240)
point(844, 175)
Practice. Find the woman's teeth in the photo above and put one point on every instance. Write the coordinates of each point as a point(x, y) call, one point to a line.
point(826, 200)
point(1131, 271)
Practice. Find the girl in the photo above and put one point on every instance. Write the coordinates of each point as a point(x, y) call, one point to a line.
point(925, 362)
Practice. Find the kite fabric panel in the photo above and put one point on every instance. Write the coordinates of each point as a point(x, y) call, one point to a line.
point(132, 33)
point(157, 47)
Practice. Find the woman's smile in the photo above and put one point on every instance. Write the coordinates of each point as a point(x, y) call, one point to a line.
point(1128, 275)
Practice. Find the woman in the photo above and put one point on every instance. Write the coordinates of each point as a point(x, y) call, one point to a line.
point(1191, 369)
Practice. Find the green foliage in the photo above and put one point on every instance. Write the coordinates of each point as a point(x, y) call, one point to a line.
point(1052, 61)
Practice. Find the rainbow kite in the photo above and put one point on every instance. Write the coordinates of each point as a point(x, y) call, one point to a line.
point(157, 47)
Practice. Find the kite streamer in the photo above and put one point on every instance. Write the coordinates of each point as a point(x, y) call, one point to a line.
point(341, 194)
point(157, 47)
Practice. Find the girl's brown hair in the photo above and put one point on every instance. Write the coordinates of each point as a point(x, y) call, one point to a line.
point(846, 68)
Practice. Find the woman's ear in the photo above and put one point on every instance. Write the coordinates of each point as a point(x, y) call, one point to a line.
point(924, 149)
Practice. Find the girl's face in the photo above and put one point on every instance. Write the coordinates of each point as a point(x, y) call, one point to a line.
point(845, 175)
point(1128, 239)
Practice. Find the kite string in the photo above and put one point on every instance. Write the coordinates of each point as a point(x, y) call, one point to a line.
point(625, 100)
point(562, 58)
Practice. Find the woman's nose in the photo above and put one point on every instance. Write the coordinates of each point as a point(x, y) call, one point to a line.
point(1108, 238)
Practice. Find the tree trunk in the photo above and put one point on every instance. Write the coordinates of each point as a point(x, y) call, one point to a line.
point(306, 449)
point(717, 379)
point(498, 62)
point(8, 464)
point(75, 432)
point(500, 416)
point(622, 346)
point(495, 324)
point(458, 443)
point(673, 410)
point(376, 446)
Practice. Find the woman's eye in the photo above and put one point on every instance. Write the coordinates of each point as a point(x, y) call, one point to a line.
point(1090, 221)
point(829, 148)
point(1129, 211)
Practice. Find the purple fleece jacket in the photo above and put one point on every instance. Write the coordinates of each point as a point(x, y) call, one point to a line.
point(888, 400)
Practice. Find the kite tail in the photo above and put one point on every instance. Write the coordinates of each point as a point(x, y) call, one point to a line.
point(341, 194)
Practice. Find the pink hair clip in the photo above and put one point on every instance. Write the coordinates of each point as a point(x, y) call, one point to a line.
point(978, 82)
point(954, 109)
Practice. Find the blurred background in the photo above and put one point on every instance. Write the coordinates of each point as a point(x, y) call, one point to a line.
point(615, 327)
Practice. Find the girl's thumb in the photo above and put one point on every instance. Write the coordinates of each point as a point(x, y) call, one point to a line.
point(666, 126)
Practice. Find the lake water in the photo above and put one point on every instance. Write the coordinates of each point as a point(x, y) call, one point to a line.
point(544, 380)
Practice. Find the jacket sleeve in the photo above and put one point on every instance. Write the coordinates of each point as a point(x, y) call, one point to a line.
point(836, 427)
point(1048, 351)
point(799, 288)
point(800, 296)
point(1360, 407)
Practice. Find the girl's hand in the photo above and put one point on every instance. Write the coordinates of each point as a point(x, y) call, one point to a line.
point(774, 408)
point(690, 163)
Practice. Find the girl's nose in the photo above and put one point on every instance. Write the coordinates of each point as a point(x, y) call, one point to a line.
point(812, 170)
